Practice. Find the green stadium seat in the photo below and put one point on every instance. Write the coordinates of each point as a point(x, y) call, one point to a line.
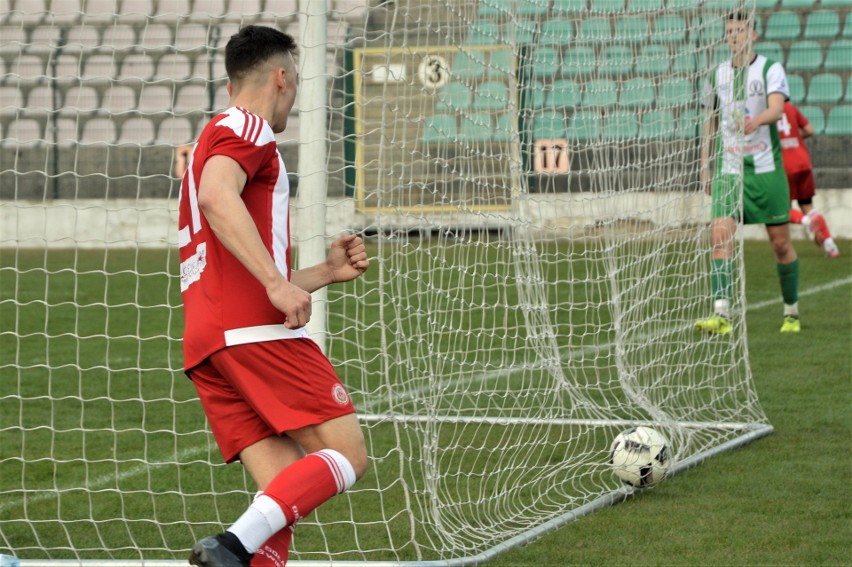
point(707, 30)
point(675, 92)
point(804, 56)
point(491, 95)
point(545, 62)
point(653, 59)
point(568, 7)
point(455, 97)
point(556, 32)
point(594, 30)
point(722, 6)
point(766, 4)
point(519, 33)
point(600, 92)
point(564, 93)
point(631, 29)
point(621, 125)
point(615, 60)
point(839, 121)
point(476, 127)
point(638, 92)
point(797, 4)
point(815, 117)
point(690, 124)
point(532, 95)
point(483, 32)
point(848, 97)
point(439, 128)
point(669, 29)
point(579, 61)
point(608, 6)
point(644, 5)
point(506, 126)
point(783, 25)
point(683, 4)
point(839, 55)
point(584, 126)
point(685, 59)
point(549, 124)
point(656, 125)
point(825, 88)
point(822, 24)
point(507, 8)
point(770, 50)
point(468, 64)
point(797, 88)
point(847, 27)
point(835, 3)
point(502, 63)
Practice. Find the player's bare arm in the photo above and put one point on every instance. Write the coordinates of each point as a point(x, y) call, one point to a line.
point(219, 190)
point(708, 140)
point(773, 113)
point(347, 260)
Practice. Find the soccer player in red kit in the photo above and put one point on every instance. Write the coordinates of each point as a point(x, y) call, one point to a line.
point(271, 396)
point(793, 128)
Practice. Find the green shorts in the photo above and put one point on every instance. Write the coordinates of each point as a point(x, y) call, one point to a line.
point(766, 197)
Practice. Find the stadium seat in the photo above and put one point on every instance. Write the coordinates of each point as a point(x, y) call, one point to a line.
point(608, 6)
point(98, 131)
point(506, 126)
point(685, 59)
point(847, 27)
point(615, 60)
point(797, 88)
point(175, 131)
point(835, 3)
point(545, 62)
point(204, 9)
point(797, 4)
point(707, 30)
point(455, 97)
point(644, 5)
point(672, 5)
point(502, 63)
point(656, 125)
point(721, 6)
point(532, 95)
point(491, 95)
point(653, 59)
point(468, 64)
point(191, 98)
point(118, 99)
point(483, 33)
point(24, 131)
point(848, 97)
point(520, 32)
point(98, 66)
point(584, 126)
point(564, 93)
point(156, 36)
point(174, 66)
point(437, 128)
point(137, 131)
point(156, 97)
point(41, 97)
point(766, 4)
point(67, 133)
point(568, 7)
point(638, 92)
point(579, 61)
point(620, 125)
point(669, 29)
point(81, 38)
point(595, 30)
point(690, 124)
point(770, 50)
point(476, 127)
point(631, 29)
point(839, 121)
point(675, 92)
point(815, 116)
point(11, 101)
point(549, 124)
point(600, 92)
point(825, 88)
point(804, 56)
point(783, 25)
point(189, 36)
point(119, 37)
point(506, 8)
point(839, 55)
point(556, 32)
point(81, 98)
point(822, 24)
point(137, 66)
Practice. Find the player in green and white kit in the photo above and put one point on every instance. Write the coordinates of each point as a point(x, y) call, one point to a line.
point(746, 95)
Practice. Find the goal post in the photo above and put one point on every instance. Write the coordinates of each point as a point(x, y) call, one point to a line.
point(525, 175)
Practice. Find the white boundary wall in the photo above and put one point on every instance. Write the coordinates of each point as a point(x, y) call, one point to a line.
point(152, 223)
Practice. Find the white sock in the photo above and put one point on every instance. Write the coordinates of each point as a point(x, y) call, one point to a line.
point(806, 220)
point(829, 244)
point(791, 310)
point(722, 307)
point(257, 524)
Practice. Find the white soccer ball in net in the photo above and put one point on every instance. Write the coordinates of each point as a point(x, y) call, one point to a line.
point(640, 456)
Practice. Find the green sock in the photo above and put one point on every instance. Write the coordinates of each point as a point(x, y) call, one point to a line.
point(788, 275)
point(721, 278)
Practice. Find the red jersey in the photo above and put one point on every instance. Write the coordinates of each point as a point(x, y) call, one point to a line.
point(793, 150)
point(224, 304)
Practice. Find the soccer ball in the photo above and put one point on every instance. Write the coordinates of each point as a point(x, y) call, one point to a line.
point(640, 457)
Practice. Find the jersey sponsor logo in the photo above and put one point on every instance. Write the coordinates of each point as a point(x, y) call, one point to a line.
point(339, 395)
point(749, 149)
point(755, 88)
point(789, 143)
point(192, 267)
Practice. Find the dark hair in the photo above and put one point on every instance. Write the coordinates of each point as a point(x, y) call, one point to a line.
point(254, 45)
point(738, 16)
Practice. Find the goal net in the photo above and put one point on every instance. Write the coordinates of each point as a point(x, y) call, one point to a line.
point(526, 175)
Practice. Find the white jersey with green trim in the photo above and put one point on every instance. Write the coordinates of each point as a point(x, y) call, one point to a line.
point(740, 94)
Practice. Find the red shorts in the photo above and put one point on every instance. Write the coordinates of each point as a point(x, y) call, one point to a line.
point(253, 391)
point(802, 185)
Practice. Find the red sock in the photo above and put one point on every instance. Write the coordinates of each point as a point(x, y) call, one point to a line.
point(796, 216)
point(309, 482)
point(275, 551)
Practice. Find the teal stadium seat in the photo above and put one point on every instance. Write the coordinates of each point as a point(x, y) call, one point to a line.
point(707, 30)
point(822, 24)
point(568, 7)
point(690, 124)
point(506, 125)
point(564, 93)
point(631, 29)
point(556, 32)
point(683, 4)
point(507, 8)
point(549, 124)
point(839, 121)
point(483, 32)
point(608, 6)
point(600, 92)
point(766, 4)
point(476, 127)
point(838, 57)
point(545, 62)
point(770, 50)
point(804, 56)
point(669, 29)
point(847, 27)
point(797, 4)
point(455, 97)
point(532, 95)
point(848, 97)
point(835, 3)
point(721, 6)
point(491, 95)
point(638, 92)
point(468, 64)
point(579, 61)
point(797, 88)
point(685, 59)
point(815, 116)
point(439, 128)
point(825, 88)
point(653, 6)
point(595, 30)
point(502, 63)
point(616, 60)
point(657, 125)
point(675, 92)
point(584, 126)
point(783, 25)
point(653, 59)
point(621, 125)
point(519, 33)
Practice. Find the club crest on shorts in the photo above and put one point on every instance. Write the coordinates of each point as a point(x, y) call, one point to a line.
point(338, 392)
